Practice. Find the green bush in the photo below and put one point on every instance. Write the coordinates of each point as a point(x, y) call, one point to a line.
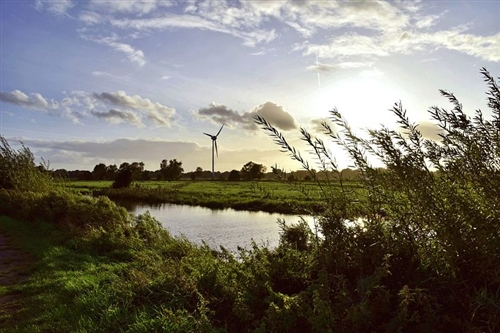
point(75, 213)
point(420, 252)
point(18, 170)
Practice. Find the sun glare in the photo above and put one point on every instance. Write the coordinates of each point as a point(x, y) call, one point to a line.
point(362, 100)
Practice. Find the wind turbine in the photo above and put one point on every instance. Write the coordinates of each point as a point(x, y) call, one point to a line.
point(214, 143)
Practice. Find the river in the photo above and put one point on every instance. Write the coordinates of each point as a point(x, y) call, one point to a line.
point(229, 228)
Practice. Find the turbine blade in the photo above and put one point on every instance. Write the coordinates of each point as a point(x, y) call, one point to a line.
point(219, 131)
point(216, 151)
point(207, 134)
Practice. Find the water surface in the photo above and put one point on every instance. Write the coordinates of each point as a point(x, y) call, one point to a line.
point(229, 228)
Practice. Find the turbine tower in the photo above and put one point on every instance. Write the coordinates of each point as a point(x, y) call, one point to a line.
point(214, 143)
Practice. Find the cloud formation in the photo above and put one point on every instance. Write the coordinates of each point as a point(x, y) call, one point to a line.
point(131, 109)
point(118, 116)
point(35, 102)
point(58, 7)
point(275, 114)
point(134, 55)
point(375, 28)
point(156, 112)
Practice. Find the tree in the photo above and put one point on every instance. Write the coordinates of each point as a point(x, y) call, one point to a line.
point(198, 172)
point(99, 172)
point(60, 173)
point(111, 171)
point(137, 170)
point(171, 170)
point(123, 177)
point(253, 170)
point(234, 175)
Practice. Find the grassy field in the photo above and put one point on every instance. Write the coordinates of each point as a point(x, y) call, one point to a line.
point(270, 196)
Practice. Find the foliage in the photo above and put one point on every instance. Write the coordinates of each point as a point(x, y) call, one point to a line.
point(171, 170)
point(251, 171)
point(123, 178)
point(234, 175)
point(127, 174)
point(18, 170)
point(421, 252)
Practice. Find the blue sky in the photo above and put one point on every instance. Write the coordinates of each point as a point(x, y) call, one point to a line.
point(85, 82)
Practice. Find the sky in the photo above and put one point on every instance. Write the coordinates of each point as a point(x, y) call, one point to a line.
point(88, 82)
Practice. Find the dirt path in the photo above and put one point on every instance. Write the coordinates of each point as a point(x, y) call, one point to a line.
point(14, 268)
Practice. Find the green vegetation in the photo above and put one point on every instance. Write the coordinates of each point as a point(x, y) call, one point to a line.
point(423, 257)
point(270, 196)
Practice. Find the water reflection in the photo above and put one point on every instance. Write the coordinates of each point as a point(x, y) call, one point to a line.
point(227, 227)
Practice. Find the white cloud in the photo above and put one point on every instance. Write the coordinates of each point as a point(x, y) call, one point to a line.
point(58, 7)
point(35, 102)
point(483, 47)
point(275, 114)
point(78, 104)
point(90, 18)
point(40, 103)
point(213, 17)
point(134, 55)
point(158, 113)
point(376, 28)
point(140, 7)
point(117, 116)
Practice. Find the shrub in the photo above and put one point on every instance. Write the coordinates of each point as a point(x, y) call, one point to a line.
point(18, 170)
point(420, 248)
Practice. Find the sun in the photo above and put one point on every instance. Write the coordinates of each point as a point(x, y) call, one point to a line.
point(363, 100)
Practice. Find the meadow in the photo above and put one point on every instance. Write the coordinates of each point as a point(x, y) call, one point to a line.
point(268, 196)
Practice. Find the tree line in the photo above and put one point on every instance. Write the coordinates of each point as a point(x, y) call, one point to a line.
point(168, 170)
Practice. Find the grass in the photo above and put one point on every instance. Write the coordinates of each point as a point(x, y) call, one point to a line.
point(75, 288)
point(269, 196)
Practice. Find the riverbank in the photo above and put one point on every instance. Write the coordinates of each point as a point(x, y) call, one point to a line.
point(266, 196)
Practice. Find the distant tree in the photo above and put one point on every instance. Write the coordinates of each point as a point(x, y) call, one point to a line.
point(198, 172)
point(148, 175)
point(137, 170)
point(111, 171)
point(99, 172)
point(171, 170)
point(124, 166)
point(123, 177)
point(83, 175)
point(60, 173)
point(128, 173)
point(234, 175)
point(253, 170)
